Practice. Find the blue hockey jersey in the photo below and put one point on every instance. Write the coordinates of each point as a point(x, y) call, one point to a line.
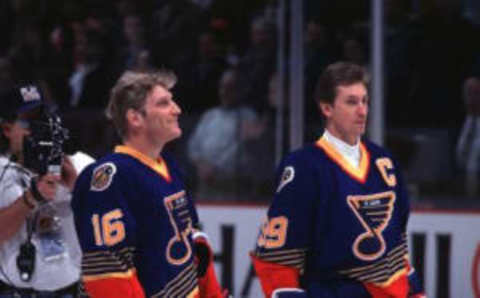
point(343, 228)
point(133, 217)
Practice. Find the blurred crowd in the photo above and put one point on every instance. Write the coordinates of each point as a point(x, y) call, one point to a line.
point(224, 53)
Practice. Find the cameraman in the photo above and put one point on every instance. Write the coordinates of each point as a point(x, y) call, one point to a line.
point(39, 252)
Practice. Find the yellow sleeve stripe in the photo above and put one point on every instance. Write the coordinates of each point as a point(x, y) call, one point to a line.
point(194, 293)
point(127, 274)
point(393, 278)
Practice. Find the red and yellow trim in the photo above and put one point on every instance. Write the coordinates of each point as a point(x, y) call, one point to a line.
point(397, 275)
point(395, 286)
point(127, 274)
point(360, 174)
point(158, 165)
point(274, 276)
point(113, 285)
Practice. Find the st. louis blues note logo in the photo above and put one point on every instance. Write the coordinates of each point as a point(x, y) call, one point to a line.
point(374, 212)
point(287, 177)
point(102, 176)
point(179, 249)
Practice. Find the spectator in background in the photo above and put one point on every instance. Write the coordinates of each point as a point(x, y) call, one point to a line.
point(318, 54)
point(258, 64)
point(202, 75)
point(468, 145)
point(136, 43)
point(217, 145)
point(263, 141)
point(355, 48)
point(398, 50)
point(29, 50)
point(89, 88)
point(443, 41)
point(175, 25)
point(92, 76)
point(60, 64)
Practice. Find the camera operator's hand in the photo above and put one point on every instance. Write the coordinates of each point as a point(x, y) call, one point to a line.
point(42, 189)
point(69, 174)
point(47, 186)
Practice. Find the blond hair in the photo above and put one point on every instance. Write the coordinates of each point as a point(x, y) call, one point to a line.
point(131, 91)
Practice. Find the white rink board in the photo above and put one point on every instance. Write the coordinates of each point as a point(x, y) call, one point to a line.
point(462, 228)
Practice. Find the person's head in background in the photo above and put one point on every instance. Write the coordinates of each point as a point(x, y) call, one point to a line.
point(354, 49)
point(207, 46)
point(227, 88)
point(316, 34)
point(342, 97)
point(262, 33)
point(134, 29)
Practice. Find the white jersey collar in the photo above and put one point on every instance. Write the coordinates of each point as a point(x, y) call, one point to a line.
point(349, 152)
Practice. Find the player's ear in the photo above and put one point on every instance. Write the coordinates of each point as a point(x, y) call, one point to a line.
point(134, 118)
point(325, 108)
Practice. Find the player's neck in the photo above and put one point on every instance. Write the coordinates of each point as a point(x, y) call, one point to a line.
point(350, 141)
point(349, 152)
point(143, 146)
point(338, 142)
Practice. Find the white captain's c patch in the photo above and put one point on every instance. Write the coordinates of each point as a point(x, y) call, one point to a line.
point(102, 176)
point(287, 177)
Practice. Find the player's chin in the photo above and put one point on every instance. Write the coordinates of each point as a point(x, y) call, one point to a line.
point(361, 127)
point(360, 130)
point(176, 133)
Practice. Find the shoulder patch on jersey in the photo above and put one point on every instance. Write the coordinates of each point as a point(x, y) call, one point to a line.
point(287, 177)
point(102, 176)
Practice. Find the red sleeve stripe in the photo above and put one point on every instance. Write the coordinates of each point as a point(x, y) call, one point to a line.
point(398, 287)
point(114, 287)
point(273, 276)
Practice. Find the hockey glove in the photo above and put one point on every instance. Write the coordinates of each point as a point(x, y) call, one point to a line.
point(207, 280)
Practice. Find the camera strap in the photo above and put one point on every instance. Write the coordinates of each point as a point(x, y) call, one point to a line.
point(36, 194)
point(30, 226)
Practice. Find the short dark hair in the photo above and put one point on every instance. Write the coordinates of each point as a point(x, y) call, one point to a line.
point(338, 74)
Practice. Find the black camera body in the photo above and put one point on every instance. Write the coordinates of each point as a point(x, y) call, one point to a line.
point(43, 148)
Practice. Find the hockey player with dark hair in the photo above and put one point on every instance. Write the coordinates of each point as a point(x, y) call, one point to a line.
point(337, 224)
point(136, 224)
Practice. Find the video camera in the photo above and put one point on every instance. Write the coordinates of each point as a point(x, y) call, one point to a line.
point(43, 148)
